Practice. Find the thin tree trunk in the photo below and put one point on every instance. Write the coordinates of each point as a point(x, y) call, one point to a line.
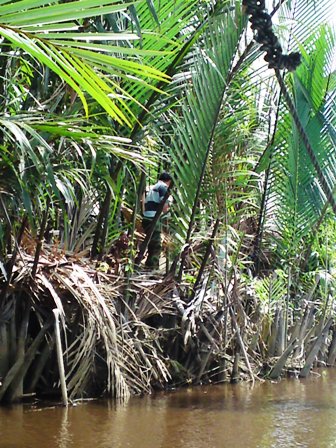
point(40, 240)
point(4, 349)
point(258, 238)
point(60, 361)
point(235, 368)
point(241, 343)
point(15, 251)
point(205, 257)
point(16, 388)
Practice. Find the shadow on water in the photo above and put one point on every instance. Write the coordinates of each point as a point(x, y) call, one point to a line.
point(290, 413)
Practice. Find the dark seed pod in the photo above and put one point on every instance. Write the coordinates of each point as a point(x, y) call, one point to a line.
point(260, 4)
point(276, 58)
point(273, 39)
point(265, 37)
point(250, 9)
point(257, 17)
point(277, 52)
point(277, 46)
point(272, 64)
point(268, 57)
point(268, 26)
point(270, 38)
point(255, 26)
point(281, 63)
point(284, 61)
point(260, 37)
point(266, 48)
point(293, 61)
point(265, 16)
point(261, 23)
point(253, 10)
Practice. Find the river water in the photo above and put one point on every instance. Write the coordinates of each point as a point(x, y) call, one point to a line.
point(286, 414)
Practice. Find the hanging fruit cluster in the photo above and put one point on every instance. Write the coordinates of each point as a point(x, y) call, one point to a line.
point(261, 24)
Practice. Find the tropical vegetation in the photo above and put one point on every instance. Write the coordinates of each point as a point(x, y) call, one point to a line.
point(97, 98)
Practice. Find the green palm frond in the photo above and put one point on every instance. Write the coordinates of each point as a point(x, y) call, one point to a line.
point(55, 36)
point(57, 159)
point(197, 114)
point(296, 197)
point(166, 38)
point(271, 290)
point(303, 19)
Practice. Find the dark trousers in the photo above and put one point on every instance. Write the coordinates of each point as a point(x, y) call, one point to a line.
point(154, 246)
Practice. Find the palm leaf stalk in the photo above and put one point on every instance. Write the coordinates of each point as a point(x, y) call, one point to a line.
point(206, 257)
point(40, 239)
point(261, 219)
point(102, 221)
point(262, 211)
point(197, 196)
point(16, 250)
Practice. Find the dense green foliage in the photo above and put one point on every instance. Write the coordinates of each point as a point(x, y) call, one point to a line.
point(96, 97)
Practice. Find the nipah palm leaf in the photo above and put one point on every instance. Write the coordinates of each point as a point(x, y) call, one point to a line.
point(53, 35)
point(198, 113)
point(295, 187)
point(55, 159)
point(165, 39)
point(303, 19)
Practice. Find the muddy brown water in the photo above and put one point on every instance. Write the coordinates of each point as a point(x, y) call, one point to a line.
point(290, 413)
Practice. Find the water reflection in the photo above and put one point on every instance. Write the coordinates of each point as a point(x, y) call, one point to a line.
point(64, 436)
point(291, 413)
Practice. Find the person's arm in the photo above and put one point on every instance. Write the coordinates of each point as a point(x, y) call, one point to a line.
point(162, 193)
point(166, 207)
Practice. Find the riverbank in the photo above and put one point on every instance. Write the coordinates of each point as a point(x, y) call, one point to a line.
point(122, 337)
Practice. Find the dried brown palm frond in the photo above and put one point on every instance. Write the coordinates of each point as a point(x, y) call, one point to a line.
point(105, 350)
point(152, 296)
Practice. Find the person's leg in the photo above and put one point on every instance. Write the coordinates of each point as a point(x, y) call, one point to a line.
point(146, 225)
point(154, 244)
point(154, 249)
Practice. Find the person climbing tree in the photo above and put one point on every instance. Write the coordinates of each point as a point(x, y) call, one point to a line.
point(151, 204)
